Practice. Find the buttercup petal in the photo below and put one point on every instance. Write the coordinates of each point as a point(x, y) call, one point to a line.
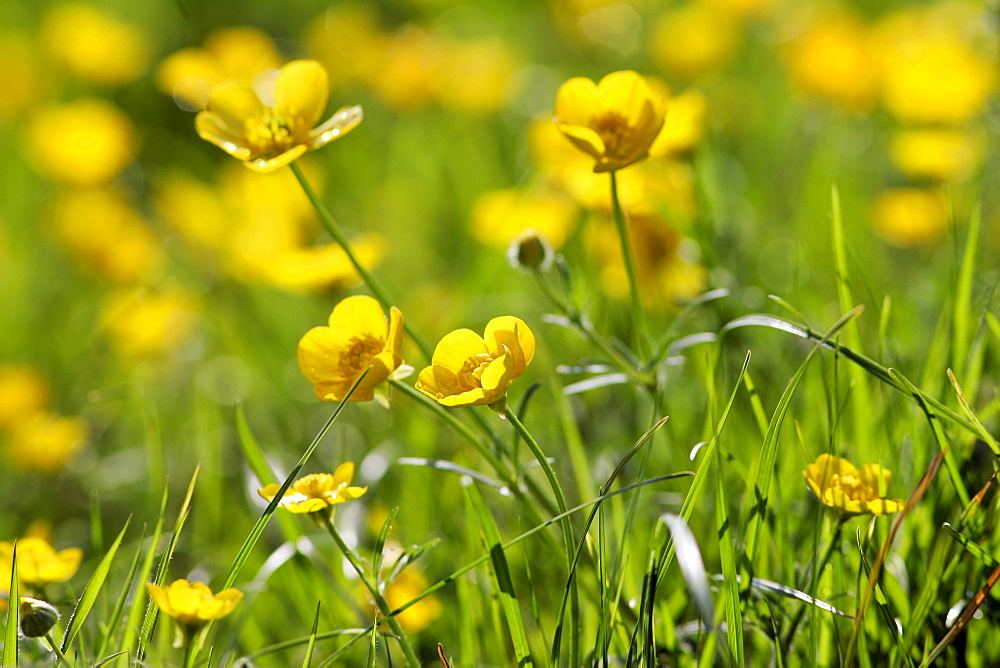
point(513, 334)
point(266, 165)
point(342, 122)
point(319, 354)
point(455, 349)
point(585, 139)
point(359, 313)
point(625, 92)
point(300, 95)
point(235, 103)
point(212, 128)
point(576, 101)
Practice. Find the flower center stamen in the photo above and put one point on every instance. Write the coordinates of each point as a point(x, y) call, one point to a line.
point(358, 355)
point(471, 373)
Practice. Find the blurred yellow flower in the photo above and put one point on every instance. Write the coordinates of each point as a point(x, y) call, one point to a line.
point(275, 128)
point(937, 154)
point(692, 40)
point(23, 391)
point(479, 77)
point(409, 72)
point(23, 82)
point(93, 45)
point(348, 40)
point(317, 492)
point(44, 442)
point(316, 267)
point(614, 121)
point(358, 337)
point(683, 126)
point(850, 490)
point(104, 233)
point(82, 143)
point(406, 586)
point(38, 563)
point(229, 54)
point(193, 605)
point(908, 217)
point(834, 58)
point(499, 216)
point(471, 370)
point(142, 323)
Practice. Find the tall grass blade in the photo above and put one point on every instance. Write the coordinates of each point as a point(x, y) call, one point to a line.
point(307, 659)
point(963, 620)
point(692, 567)
point(961, 327)
point(116, 614)
point(11, 630)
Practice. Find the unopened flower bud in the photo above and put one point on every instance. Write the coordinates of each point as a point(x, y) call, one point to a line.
point(37, 617)
point(530, 250)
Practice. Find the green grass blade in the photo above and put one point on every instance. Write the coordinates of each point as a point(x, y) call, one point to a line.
point(727, 555)
point(91, 591)
point(10, 634)
point(116, 614)
point(501, 575)
point(980, 429)
point(692, 567)
point(961, 327)
point(132, 627)
point(307, 660)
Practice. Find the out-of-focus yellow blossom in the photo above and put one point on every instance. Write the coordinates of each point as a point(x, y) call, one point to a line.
point(937, 154)
point(107, 235)
point(932, 67)
point(614, 24)
point(683, 125)
point(834, 58)
point(741, 9)
point(140, 323)
point(409, 73)
point(229, 54)
point(23, 391)
point(317, 492)
point(501, 215)
point(82, 143)
point(193, 605)
point(358, 337)
point(38, 563)
point(44, 442)
point(94, 45)
point(306, 269)
point(275, 127)
point(406, 586)
point(614, 121)
point(848, 489)
point(23, 83)
point(692, 40)
point(908, 217)
point(479, 77)
point(666, 275)
point(348, 40)
point(471, 370)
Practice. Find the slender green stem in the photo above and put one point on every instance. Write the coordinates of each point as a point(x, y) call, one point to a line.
point(638, 317)
point(816, 575)
point(372, 587)
point(331, 225)
point(60, 657)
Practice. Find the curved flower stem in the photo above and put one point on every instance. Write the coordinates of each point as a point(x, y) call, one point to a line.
point(331, 225)
point(638, 317)
point(372, 587)
point(60, 657)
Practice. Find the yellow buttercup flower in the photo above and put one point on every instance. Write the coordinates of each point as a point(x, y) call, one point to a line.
point(317, 492)
point(358, 337)
point(614, 121)
point(937, 154)
point(44, 442)
point(471, 370)
point(693, 39)
point(23, 391)
point(272, 130)
point(38, 563)
point(908, 217)
point(193, 605)
point(499, 216)
point(848, 489)
point(479, 77)
point(94, 45)
point(143, 323)
point(406, 586)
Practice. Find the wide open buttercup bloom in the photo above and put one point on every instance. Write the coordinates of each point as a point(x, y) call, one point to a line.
point(270, 131)
point(614, 121)
point(193, 605)
point(358, 337)
point(317, 492)
point(848, 489)
point(472, 370)
point(38, 563)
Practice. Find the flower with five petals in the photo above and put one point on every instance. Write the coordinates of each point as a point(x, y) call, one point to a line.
point(317, 493)
point(850, 490)
point(275, 128)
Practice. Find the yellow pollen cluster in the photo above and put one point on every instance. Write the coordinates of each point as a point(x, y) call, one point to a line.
point(613, 130)
point(472, 371)
point(358, 355)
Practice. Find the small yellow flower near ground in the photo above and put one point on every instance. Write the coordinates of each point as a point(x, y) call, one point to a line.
point(614, 121)
point(480, 76)
point(193, 605)
point(406, 586)
point(358, 337)
point(409, 71)
point(93, 45)
point(693, 39)
point(499, 216)
point(38, 563)
point(44, 442)
point(275, 129)
point(141, 323)
point(908, 217)
point(937, 154)
point(471, 370)
point(317, 492)
point(82, 143)
point(848, 489)
point(23, 391)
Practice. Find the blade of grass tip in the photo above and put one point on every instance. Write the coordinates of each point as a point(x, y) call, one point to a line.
point(692, 567)
point(373, 643)
point(114, 620)
point(950, 463)
point(91, 590)
point(883, 326)
point(897, 522)
point(973, 548)
point(885, 611)
point(134, 618)
point(13, 613)
point(756, 504)
point(307, 660)
point(258, 527)
point(378, 550)
point(963, 293)
point(152, 611)
point(756, 405)
point(501, 575)
point(981, 430)
point(963, 620)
